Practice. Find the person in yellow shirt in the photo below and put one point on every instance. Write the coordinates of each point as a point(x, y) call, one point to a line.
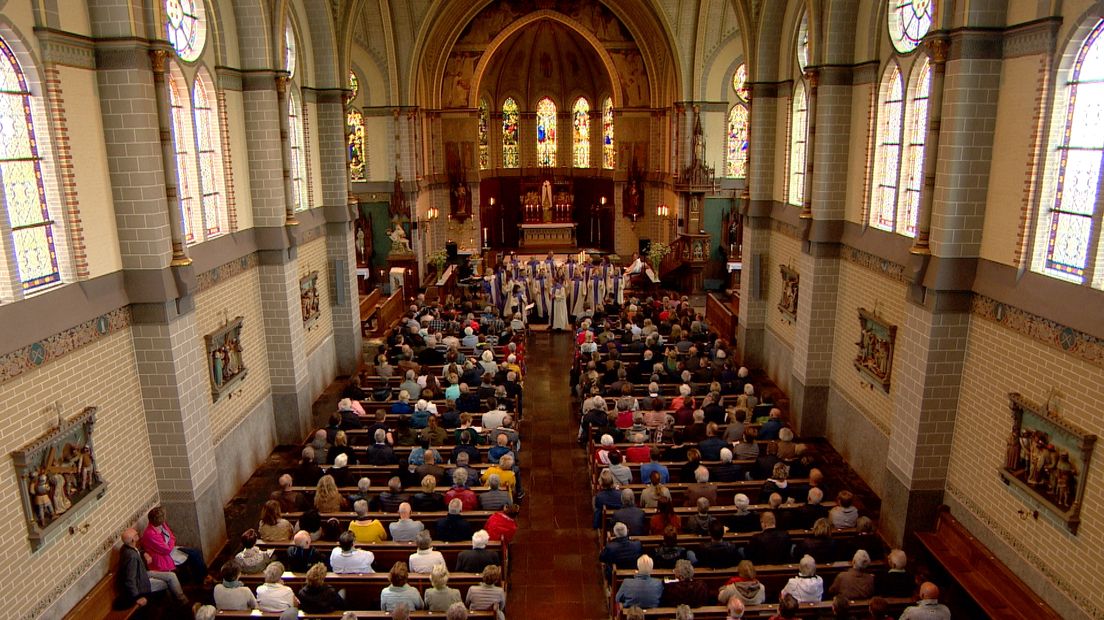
point(505, 472)
point(366, 530)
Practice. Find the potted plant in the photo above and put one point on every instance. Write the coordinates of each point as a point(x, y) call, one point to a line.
point(657, 251)
point(439, 260)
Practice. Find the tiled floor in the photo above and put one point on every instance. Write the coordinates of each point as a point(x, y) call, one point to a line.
point(555, 571)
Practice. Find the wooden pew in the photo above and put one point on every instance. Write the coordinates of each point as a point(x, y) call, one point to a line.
point(822, 609)
point(997, 590)
point(363, 591)
point(721, 512)
point(360, 614)
point(477, 518)
point(99, 603)
point(387, 553)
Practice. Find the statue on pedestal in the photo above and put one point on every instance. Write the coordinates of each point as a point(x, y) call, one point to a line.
point(399, 243)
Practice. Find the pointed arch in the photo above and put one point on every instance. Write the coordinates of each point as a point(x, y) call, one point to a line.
point(212, 184)
point(887, 150)
point(737, 142)
point(546, 132)
point(799, 127)
point(912, 165)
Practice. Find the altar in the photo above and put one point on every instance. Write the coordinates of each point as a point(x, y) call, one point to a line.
point(547, 235)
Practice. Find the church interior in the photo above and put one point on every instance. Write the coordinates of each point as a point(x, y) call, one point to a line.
point(238, 235)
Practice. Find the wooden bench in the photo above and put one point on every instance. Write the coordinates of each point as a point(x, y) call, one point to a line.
point(477, 518)
point(822, 609)
point(361, 615)
point(363, 591)
point(985, 579)
point(387, 553)
point(99, 603)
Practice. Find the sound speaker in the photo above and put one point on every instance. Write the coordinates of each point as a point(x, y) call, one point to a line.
point(339, 282)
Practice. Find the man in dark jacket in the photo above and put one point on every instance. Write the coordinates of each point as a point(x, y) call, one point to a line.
point(136, 583)
point(621, 552)
point(454, 527)
point(770, 546)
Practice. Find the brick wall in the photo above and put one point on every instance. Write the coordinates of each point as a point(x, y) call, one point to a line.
point(312, 257)
point(100, 374)
point(999, 361)
point(784, 250)
point(240, 295)
point(860, 287)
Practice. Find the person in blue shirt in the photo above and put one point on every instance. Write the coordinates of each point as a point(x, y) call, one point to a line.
point(769, 429)
point(607, 497)
point(642, 590)
point(654, 465)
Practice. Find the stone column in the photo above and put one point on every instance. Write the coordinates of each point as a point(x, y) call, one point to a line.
point(172, 370)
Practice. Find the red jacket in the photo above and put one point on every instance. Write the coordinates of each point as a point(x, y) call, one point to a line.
point(153, 543)
point(638, 454)
point(466, 496)
point(501, 527)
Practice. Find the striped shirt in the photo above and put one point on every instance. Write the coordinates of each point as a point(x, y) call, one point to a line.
point(483, 597)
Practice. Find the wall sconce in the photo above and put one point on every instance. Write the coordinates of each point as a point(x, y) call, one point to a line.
point(492, 201)
point(602, 201)
point(663, 211)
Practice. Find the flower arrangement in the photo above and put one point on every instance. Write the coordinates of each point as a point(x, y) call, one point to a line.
point(439, 260)
point(657, 251)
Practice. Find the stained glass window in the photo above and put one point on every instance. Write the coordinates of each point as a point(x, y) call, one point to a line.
point(581, 139)
point(799, 125)
point(354, 129)
point(298, 149)
point(546, 132)
point(510, 157)
point(290, 52)
point(609, 156)
point(186, 27)
point(21, 177)
point(209, 147)
point(739, 83)
point(912, 181)
point(183, 139)
point(803, 42)
point(354, 86)
point(736, 157)
point(909, 21)
point(887, 151)
point(484, 140)
point(1067, 225)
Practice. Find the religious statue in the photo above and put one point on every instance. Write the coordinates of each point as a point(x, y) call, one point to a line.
point(398, 208)
point(461, 201)
point(224, 355)
point(43, 505)
point(546, 202)
point(399, 243)
point(61, 494)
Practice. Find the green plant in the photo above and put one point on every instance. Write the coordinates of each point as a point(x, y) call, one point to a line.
point(439, 260)
point(657, 251)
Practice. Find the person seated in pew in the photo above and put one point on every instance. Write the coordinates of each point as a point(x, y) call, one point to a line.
point(251, 560)
point(506, 428)
point(745, 586)
point(841, 609)
point(844, 514)
point(685, 591)
point(488, 595)
point(400, 592)
point(622, 475)
point(341, 446)
point(327, 498)
point(770, 429)
point(620, 551)
point(855, 582)
point(460, 490)
point(272, 595)
point(469, 401)
point(384, 369)
point(642, 590)
point(465, 443)
point(466, 425)
point(346, 559)
point(452, 527)
point(604, 449)
point(500, 449)
point(433, 433)
point(897, 581)
point(462, 465)
point(318, 597)
point(701, 487)
point(630, 514)
point(426, 557)
point(492, 418)
point(494, 498)
point(779, 483)
point(405, 529)
point(718, 552)
point(928, 607)
point(289, 499)
point(419, 419)
point(807, 586)
point(366, 531)
point(714, 413)
point(308, 471)
point(669, 551)
point(502, 525)
point(231, 595)
point(393, 497)
point(771, 545)
point(727, 471)
point(700, 522)
point(430, 468)
point(412, 391)
point(653, 464)
point(654, 492)
point(606, 497)
point(812, 510)
point(364, 485)
point(339, 471)
point(301, 555)
point(693, 462)
point(507, 478)
point(736, 422)
point(273, 527)
point(380, 453)
point(440, 597)
point(818, 543)
point(477, 558)
point(697, 431)
point(866, 539)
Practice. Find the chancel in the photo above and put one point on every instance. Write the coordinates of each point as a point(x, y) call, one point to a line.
point(551, 309)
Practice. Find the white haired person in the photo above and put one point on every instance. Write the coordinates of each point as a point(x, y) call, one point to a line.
point(807, 586)
point(642, 590)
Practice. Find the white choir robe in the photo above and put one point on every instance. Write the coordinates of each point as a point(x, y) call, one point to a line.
point(490, 288)
point(577, 296)
point(542, 298)
point(596, 289)
point(533, 293)
point(559, 307)
point(617, 289)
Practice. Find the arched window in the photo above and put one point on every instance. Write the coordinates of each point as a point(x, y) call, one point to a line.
point(1068, 228)
point(887, 151)
point(484, 142)
point(183, 140)
point(354, 134)
point(21, 188)
point(581, 138)
point(296, 133)
point(908, 22)
point(510, 158)
point(212, 184)
point(803, 42)
point(186, 27)
point(799, 125)
point(739, 83)
point(736, 159)
point(912, 180)
point(546, 132)
point(609, 156)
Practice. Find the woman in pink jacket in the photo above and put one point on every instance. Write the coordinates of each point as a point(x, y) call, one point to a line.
point(162, 554)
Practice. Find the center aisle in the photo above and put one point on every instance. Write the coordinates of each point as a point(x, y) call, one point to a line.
point(554, 558)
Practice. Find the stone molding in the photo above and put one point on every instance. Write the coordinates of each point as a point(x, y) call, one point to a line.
point(37, 354)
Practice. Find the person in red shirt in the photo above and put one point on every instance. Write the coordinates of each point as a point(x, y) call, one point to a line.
point(638, 452)
point(461, 491)
point(502, 525)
